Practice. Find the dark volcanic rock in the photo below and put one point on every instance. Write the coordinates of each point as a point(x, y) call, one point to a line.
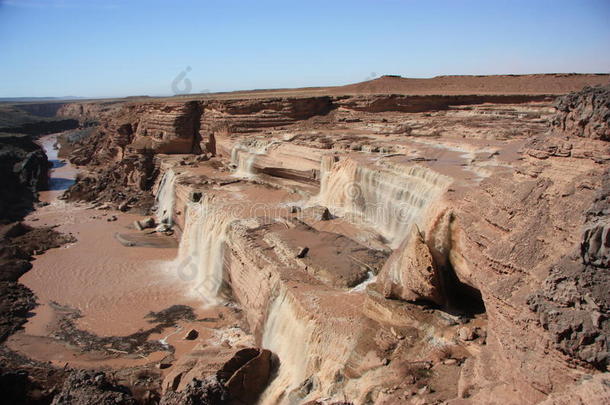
point(574, 307)
point(18, 243)
point(138, 342)
point(585, 113)
point(16, 301)
point(86, 387)
point(42, 127)
point(198, 392)
point(574, 303)
point(27, 381)
point(24, 169)
point(169, 316)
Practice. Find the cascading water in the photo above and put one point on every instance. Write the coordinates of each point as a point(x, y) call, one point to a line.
point(200, 259)
point(245, 152)
point(326, 165)
point(311, 349)
point(165, 199)
point(287, 336)
point(389, 197)
point(244, 162)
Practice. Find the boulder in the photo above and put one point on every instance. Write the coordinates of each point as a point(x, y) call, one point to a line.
point(249, 379)
point(302, 252)
point(145, 223)
point(410, 273)
point(191, 335)
point(316, 213)
point(596, 245)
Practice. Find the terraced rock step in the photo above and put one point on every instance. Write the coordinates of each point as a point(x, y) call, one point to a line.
point(371, 248)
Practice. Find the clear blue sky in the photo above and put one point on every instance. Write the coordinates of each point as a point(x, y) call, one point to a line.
point(105, 48)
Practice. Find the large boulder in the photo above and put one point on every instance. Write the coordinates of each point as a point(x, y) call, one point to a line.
point(410, 273)
point(224, 376)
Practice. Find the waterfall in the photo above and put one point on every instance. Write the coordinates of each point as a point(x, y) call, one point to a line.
point(390, 198)
point(311, 349)
point(245, 152)
point(326, 164)
point(200, 259)
point(165, 198)
point(287, 335)
point(244, 162)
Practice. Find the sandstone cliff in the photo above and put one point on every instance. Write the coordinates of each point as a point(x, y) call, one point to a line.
point(383, 249)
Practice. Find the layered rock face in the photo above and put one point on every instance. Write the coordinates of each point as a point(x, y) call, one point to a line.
point(506, 240)
point(168, 128)
point(541, 272)
point(245, 116)
point(414, 104)
point(384, 249)
point(121, 150)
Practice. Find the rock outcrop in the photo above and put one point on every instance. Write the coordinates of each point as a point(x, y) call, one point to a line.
point(165, 128)
point(412, 275)
point(574, 304)
point(126, 183)
point(24, 170)
point(83, 387)
point(224, 376)
point(584, 114)
point(18, 245)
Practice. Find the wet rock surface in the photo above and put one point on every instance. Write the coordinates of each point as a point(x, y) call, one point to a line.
point(413, 276)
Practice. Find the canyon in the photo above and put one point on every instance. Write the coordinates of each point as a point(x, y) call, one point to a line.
point(392, 241)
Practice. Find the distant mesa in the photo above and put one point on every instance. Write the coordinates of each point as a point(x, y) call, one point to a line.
point(529, 84)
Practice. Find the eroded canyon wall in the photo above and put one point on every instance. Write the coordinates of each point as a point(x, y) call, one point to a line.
point(386, 249)
point(24, 170)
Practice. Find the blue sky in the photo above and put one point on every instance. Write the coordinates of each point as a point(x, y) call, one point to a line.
point(106, 48)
